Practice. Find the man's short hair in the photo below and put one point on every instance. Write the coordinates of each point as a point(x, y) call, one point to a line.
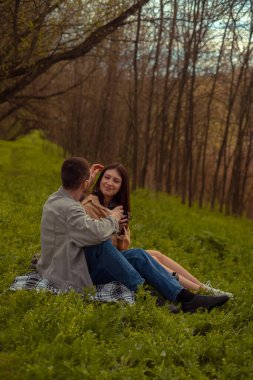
point(74, 171)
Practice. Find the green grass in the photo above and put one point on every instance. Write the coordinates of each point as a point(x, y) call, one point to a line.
point(63, 337)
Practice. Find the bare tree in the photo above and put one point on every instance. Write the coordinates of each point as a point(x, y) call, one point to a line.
point(43, 36)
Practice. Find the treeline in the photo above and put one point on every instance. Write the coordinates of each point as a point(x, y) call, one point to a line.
point(169, 94)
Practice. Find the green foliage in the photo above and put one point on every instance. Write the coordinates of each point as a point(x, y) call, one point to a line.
point(65, 337)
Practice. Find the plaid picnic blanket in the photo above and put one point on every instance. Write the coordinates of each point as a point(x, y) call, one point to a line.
point(111, 292)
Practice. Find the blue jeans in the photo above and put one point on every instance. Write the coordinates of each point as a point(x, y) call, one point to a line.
point(131, 268)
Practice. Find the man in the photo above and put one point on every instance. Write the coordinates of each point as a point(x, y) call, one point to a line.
point(77, 250)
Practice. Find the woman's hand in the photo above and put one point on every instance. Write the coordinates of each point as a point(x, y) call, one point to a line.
point(122, 233)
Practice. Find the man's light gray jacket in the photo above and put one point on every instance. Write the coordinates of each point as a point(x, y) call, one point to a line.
point(65, 230)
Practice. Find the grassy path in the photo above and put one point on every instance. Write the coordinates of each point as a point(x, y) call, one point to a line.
point(61, 337)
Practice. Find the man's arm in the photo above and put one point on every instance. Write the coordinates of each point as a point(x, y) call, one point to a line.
point(85, 231)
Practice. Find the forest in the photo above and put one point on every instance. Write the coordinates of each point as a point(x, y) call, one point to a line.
point(163, 86)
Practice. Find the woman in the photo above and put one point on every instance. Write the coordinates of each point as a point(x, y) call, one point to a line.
point(111, 190)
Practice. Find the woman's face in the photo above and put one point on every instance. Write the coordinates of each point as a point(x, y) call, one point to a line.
point(110, 183)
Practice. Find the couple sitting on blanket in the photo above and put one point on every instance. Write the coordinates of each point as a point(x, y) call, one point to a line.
point(85, 241)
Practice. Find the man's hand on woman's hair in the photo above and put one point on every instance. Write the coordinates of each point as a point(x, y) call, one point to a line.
point(94, 170)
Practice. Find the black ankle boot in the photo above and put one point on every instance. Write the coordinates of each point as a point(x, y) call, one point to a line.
point(203, 302)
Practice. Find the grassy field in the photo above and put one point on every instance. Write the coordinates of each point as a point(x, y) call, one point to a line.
point(63, 337)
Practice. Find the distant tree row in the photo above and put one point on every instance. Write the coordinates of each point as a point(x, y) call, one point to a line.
point(168, 92)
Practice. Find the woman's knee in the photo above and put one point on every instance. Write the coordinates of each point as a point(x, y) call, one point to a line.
point(153, 253)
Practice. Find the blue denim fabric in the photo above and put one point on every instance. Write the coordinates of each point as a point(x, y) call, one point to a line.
point(106, 264)
point(131, 267)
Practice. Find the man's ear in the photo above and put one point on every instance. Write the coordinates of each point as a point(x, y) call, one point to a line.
point(85, 185)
